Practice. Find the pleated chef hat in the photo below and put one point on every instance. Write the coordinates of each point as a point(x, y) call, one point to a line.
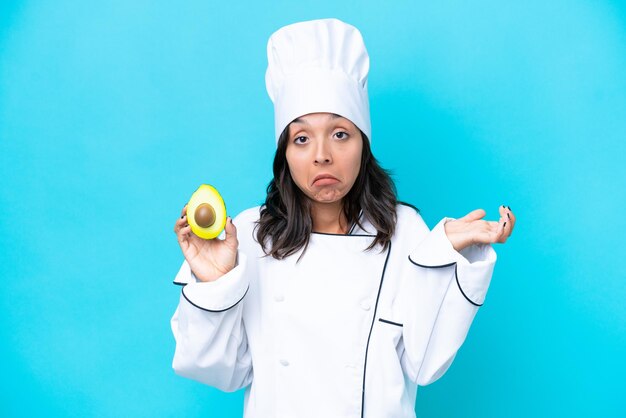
point(318, 66)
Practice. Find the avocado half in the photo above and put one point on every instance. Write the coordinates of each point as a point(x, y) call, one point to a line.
point(206, 212)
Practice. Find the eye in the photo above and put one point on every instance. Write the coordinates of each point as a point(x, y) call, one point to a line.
point(300, 140)
point(342, 135)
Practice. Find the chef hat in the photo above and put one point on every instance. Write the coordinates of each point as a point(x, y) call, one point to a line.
point(318, 66)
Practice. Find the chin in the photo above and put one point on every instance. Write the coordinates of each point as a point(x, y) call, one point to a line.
point(327, 196)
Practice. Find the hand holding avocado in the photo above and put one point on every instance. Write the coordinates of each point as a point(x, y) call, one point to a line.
point(201, 221)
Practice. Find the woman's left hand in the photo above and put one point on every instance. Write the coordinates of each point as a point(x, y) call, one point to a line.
point(470, 229)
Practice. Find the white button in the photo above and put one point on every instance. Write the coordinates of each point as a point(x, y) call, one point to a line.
point(284, 362)
point(365, 305)
point(279, 298)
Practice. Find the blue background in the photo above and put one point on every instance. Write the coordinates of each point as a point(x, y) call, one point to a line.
point(112, 113)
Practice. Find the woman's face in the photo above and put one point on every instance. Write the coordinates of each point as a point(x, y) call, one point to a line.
point(324, 155)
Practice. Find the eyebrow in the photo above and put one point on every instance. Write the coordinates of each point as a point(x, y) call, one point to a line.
point(304, 122)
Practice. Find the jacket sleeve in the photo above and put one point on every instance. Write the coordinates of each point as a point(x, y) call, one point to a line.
point(211, 342)
point(442, 290)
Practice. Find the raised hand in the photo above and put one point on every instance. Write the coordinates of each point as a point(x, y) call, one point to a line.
point(209, 259)
point(471, 229)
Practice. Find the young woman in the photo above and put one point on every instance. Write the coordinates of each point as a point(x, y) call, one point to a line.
point(332, 299)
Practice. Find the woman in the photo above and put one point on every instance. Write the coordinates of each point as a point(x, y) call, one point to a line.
point(331, 299)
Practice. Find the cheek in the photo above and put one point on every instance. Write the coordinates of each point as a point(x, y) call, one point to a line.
point(295, 164)
point(355, 163)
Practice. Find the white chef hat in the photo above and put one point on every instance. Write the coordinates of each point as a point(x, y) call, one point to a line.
point(318, 66)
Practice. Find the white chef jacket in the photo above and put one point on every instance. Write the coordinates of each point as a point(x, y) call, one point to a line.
point(343, 332)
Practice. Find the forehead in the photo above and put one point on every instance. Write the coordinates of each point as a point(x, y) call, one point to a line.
point(312, 118)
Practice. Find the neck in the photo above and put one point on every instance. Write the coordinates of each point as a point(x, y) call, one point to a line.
point(329, 218)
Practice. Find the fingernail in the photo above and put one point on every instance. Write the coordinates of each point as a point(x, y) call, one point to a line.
point(504, 225)
point(508, 216)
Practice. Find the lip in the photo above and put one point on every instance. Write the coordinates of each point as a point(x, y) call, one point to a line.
point(324, 179)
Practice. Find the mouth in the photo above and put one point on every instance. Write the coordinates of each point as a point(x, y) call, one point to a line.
point(324, 180)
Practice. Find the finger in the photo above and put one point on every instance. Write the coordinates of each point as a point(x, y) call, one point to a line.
point(231, 233)
point(507, 214)
point(493, 231)
point(489, 233)
point(186, 232)
point(474, 215)
point(183, 216)
point(183, 237)
point(494, 224)
point(180, 222)
point(503, 230)
point(510, 220)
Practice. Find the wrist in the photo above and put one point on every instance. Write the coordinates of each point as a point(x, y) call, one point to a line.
point(458, 241)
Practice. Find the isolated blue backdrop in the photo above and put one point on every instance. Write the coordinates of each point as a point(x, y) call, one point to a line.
point(112, 113)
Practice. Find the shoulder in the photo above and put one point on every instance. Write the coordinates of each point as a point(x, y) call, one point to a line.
point(409, 222)
point(247, 216)
point(407, 212)
point(405, 206)
point(407, 218)
point(245, 222)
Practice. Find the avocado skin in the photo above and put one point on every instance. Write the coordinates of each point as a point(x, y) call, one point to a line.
point(206, 195)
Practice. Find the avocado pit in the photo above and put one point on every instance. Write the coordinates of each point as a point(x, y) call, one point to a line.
point(204, 215)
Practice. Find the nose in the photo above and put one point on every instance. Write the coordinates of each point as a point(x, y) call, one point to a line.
point(322, 153)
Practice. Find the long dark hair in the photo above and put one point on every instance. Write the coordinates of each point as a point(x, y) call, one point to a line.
point(285, 222)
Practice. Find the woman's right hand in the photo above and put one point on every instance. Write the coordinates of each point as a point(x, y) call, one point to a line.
point(209, 259)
